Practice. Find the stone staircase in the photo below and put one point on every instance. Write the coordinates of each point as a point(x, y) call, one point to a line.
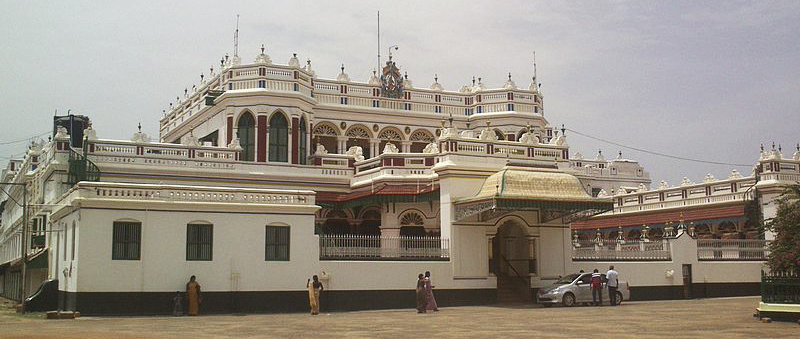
point(511, 290)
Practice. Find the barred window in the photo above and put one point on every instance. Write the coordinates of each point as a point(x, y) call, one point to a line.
point(127, 240)
point(277, 243)
point(199, 242)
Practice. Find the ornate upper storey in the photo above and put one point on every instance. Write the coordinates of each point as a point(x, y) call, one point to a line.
point(387, 92)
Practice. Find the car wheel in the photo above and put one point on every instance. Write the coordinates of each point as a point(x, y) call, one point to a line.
point(547, 305)
point(568, 300)
point(619, 297)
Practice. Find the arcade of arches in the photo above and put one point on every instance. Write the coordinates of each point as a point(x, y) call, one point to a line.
point(701, 229)
point(367, 221)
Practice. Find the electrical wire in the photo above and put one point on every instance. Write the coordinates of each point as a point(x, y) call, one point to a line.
point(657, 153)
point(24, 139)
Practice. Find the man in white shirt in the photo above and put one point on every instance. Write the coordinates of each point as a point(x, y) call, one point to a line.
point(613, 282)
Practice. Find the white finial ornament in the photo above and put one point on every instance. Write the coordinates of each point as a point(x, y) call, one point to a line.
point(343, 77)
point(293, 61)
point(308, 68)
point(436, 86)
point(510, 83)
point(263, 58)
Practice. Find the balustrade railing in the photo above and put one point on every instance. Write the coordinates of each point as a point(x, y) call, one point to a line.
point(732, 249)
point(620, 250)
point(195, 194)
point(375, 247)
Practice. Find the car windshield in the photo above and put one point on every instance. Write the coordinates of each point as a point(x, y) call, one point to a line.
point(567, 279)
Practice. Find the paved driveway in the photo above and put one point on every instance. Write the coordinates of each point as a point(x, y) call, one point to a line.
point(706, 318)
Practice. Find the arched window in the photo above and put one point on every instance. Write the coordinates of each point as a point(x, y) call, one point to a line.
point(246, 131)
point(302, 140)
point(278, 138)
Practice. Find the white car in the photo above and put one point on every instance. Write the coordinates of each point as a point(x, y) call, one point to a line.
point(577, 288)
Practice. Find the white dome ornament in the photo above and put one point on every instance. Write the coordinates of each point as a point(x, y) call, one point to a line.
point(436, 86)
point(374, 80)
point(356, 152)
point(479, 87)
point(600, 156)
point(735, 175)
point(263, 58)
point(509, 83)
point(89, 133)
point(140, 137)
point(406, 81)
point(686, 182)
point(488, 133)
point(343, 77)
point(309, 70)
point(320, 150)
point(602, 193)
point(528, 138)
point(191, 140)
point(431, 148)
point(709, 178)
point(293, 61)
point(663, 185)
point(390, 148)
point(797, 153)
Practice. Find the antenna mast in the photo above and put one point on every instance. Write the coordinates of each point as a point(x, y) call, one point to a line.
point(236, 38)
point(379, 40)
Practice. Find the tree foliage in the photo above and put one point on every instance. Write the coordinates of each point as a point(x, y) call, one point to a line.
point(785, 249)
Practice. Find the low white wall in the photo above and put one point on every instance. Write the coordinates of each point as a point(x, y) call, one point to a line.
point(684, 251)
point(238, 253)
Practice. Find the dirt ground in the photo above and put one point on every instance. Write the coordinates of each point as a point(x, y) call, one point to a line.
point(703, 318)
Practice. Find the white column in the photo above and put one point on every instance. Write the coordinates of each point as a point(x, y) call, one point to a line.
point(406, 146)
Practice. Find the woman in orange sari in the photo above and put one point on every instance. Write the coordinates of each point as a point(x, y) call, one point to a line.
point(314, 289)
point(193, 294)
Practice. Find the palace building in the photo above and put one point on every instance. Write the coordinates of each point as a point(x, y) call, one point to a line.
point(265, 174)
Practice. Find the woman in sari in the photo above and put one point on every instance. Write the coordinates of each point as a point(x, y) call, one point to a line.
point(422, 298)
point(193, 294)
point(314, 289)
point(431, 301)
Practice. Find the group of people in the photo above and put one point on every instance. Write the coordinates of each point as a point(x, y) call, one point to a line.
point(425, 300)
point(612, 282)
point(192, 296)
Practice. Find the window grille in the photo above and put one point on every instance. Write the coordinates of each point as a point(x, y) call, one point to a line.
point(199, 242)
point(277, 243)
point(127, 239)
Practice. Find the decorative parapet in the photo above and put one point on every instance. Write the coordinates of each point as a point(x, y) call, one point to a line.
point(735, 188)
point(179, 193)
point(453, 144)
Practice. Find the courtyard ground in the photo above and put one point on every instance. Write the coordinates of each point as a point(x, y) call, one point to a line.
point(702, 318)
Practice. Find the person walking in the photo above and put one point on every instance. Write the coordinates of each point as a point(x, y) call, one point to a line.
point(613, 283)
point(597, 288)
point(422, 299)
point(430, 300)
point(314, 290)
point(193, 294)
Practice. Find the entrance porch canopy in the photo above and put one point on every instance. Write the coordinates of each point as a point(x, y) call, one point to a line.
point(554, 193)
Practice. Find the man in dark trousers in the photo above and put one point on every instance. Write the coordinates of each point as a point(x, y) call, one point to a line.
point(613, 282)
point(597, 288)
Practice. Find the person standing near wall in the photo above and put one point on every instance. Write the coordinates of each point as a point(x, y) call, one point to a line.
point(597, 288)
point(193, 294)
point(431, 301)
point(314, 290)
point(613, 282)
point(422, 299)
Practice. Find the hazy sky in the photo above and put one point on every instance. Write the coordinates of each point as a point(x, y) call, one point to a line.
point(707, 80)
